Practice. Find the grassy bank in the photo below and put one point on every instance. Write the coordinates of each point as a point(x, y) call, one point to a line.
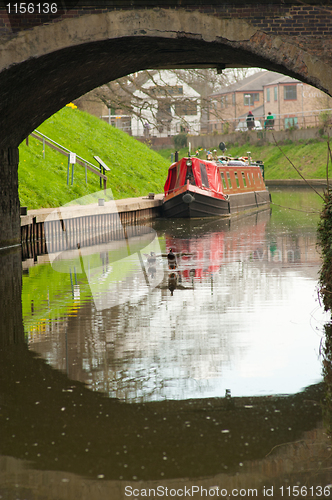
point(136, 170)
point(309, 157)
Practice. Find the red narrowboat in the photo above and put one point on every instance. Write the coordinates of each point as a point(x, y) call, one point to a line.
point(201, 188)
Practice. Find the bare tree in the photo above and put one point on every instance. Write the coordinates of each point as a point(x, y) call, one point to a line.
point(134, 94)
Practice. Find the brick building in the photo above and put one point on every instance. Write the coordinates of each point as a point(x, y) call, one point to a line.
point(294, 104)
point(232, 104)
point(291, 102)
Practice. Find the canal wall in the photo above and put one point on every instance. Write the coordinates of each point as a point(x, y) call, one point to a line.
point(253, 137)
point(322, 183)
point(89, 224)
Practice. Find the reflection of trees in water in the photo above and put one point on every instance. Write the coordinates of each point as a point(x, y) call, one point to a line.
point(157, 344)
point(160, 343)
point(136, 349)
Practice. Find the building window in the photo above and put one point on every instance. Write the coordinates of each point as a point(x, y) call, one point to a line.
point(164, 113)
point(224, 101)
point(290, 122)
point(233, 99)
point(166, 90)
point(267, 95)
point(250, 99)
point(185, 108)
point(290, 92)
point(275, 93)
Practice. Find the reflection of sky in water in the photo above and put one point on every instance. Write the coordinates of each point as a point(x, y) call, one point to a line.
point(249, 321)
point(276, 346)
point(200, 342)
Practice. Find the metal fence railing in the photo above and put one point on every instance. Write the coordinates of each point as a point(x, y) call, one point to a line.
point(282, 121)
point(73, 158)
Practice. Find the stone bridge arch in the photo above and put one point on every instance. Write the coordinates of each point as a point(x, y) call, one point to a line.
point(43, 68)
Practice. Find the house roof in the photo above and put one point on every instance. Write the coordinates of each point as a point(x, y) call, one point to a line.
point(282, 79)
point(255, 82)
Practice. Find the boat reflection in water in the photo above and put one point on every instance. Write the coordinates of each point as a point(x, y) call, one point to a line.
point(213, 245)
point(111, 395)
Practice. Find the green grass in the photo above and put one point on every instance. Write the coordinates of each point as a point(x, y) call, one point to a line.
point(136, 170)
point(310, 159)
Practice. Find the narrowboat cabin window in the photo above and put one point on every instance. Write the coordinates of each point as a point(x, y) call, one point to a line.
point(173, 179)
point(248, 177)
point(190, 175)
point(223, 180)
point(237, 180)
point(229, 180)
point(178, 174)
point(204, 177)
point(244, 179)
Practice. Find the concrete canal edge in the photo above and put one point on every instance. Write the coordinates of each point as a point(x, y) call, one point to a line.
point(296, 182)
point(126, 211)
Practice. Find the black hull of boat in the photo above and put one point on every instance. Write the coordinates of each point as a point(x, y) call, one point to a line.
point(200, 206)
point(250, 200)
point(207, 206)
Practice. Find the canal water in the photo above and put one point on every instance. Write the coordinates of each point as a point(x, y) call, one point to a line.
point(125, 375)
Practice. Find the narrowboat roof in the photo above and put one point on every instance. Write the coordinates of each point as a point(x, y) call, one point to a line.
point(205, 174)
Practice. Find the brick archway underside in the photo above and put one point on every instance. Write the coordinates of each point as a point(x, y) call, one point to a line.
point(46, 67)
